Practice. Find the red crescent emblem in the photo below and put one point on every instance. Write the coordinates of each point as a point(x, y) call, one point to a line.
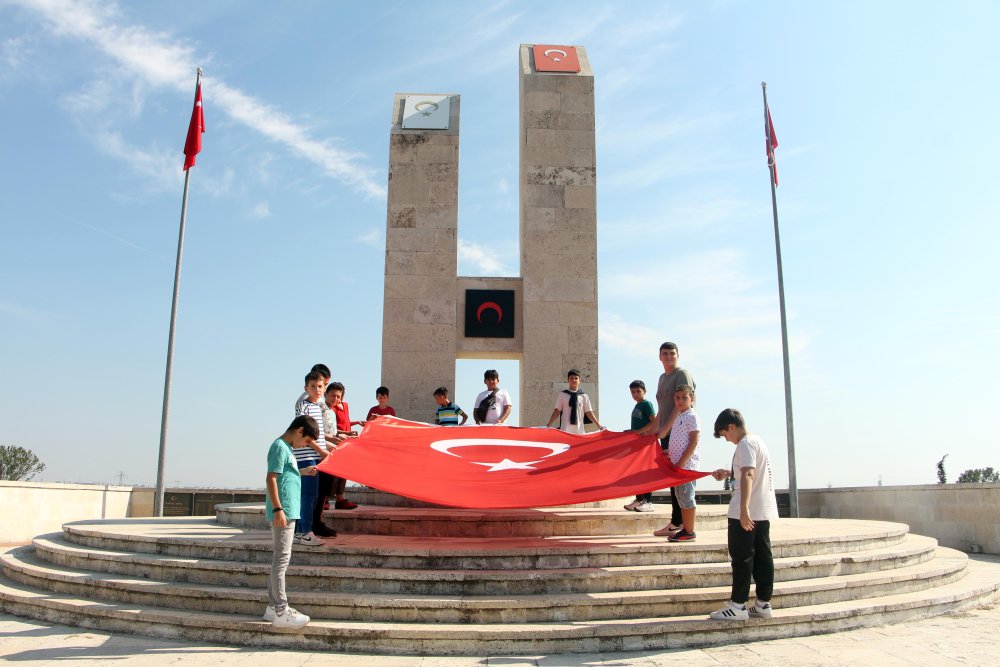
point(489, 305)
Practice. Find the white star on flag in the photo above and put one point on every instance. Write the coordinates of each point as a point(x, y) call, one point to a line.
point(507, 464)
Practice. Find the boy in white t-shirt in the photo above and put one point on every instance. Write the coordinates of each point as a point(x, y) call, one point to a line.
point(573, 408)
point(682, 448)
point(492, 406)
point(751, 509)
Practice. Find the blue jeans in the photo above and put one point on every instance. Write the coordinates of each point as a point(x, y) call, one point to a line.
point(310, 490)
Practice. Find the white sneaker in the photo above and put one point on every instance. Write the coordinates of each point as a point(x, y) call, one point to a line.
point(269, 613)
point(309, 540)
point(731, 612)
point(632, 505)
point(645, 506)
point(761, 610)
point(290, 619)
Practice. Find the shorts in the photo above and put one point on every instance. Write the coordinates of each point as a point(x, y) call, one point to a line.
point(685, 495)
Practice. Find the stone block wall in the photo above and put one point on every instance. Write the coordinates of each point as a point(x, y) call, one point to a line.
point(419, 332)
point(558, 234)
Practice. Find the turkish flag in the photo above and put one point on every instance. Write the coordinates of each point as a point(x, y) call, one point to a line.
point(192, 146)
point(771, 140)
point(502, 467)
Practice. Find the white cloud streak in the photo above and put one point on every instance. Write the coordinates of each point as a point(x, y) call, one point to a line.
point(476, 260)
point(161, 60)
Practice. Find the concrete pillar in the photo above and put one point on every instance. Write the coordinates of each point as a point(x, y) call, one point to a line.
point(419, 321)
point(558, 233)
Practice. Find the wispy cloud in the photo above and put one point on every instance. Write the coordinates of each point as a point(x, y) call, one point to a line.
point(373, 238)
point(476, 260)
point(261, 210)
point(161, 60)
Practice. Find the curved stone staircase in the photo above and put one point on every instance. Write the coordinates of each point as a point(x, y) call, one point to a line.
point(405, 579)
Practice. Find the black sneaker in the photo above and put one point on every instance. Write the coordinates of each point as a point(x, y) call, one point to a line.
point(323, 531)
point(682, 536)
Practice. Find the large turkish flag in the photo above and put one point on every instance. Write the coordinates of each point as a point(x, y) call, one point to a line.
point(502, 466)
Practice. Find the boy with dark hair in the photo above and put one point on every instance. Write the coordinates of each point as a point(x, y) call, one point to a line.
point(383, 408)
point(643, 413)
point(751, 509)
point(447, 413)
point(309, 456)
point(282, 484)
point(492, 406)
point(337, 419)
point(672, 377)
point(573, 407)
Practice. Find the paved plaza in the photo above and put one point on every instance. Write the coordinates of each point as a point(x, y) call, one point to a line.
point(959, 638)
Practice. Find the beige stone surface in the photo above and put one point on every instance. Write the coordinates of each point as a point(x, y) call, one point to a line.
point(419, 311)
point(957, 515)
point(958, 638)
point(32, 508)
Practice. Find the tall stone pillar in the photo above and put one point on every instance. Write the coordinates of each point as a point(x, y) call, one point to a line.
point(558, 228)
point(419, 321)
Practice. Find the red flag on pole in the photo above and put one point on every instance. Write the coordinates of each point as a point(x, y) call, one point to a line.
point(193, 144)
point(771, 141)
point(502, 467)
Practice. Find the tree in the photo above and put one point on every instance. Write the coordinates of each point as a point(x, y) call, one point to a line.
point(942, 476)
point(979, 476)
point(18, 464)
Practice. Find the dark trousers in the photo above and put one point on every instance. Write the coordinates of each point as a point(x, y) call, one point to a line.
point(750, 553)
point(326, 484)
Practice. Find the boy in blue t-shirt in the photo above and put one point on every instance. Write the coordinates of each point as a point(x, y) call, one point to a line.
point(283, 508)
point(447, 413)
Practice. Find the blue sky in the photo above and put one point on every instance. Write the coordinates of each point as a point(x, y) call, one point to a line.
point(886, 117)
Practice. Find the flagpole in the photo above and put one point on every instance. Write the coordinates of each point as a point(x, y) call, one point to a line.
point(793, 486)
point(160, 464)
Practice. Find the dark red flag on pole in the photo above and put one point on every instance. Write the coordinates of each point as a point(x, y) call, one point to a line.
point(193, 144)
point(502, 467)
point(771, 140)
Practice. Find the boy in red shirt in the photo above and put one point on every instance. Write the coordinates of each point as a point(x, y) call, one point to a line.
point(383, 408)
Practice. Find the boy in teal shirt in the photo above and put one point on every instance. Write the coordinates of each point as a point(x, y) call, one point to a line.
point(283, 508)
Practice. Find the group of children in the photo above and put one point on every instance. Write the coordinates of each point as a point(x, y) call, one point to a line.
point(753, 504)
point(297, 492)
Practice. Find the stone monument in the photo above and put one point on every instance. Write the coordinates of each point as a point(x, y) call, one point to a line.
point(546, 318)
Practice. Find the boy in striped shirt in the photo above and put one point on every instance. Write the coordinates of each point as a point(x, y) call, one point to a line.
point(447, 413)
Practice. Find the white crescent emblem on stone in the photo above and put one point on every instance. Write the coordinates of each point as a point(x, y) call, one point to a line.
point(445, 447)
point(426, 108)
point(548, 54)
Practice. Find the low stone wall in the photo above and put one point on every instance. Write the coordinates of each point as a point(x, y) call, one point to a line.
point(33, 508)
point(959, 516)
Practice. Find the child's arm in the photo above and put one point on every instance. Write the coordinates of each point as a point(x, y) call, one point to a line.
point(720, 474)
point(553, 418)
point(308, 471)
point(689, 452)
point(746, 488)
point(319, 450)
point(662, 433)
point(506, 413)
point(593, 418)
point(465, 417)
point(271, 484)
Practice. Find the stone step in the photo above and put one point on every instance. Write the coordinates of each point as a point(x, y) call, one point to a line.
point(203, 538)
point(437, 522)
point(980, 586)
point(692, 595)
point(911, 551)
point(364, 495)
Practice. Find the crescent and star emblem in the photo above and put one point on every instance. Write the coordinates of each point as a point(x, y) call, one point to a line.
point(445, 447)
point(489, 305)
point(426, 108)
point(548, 54)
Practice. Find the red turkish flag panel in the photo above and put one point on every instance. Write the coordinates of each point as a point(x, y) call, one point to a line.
point(554, 58)
point(192, 145)
point(502, 467)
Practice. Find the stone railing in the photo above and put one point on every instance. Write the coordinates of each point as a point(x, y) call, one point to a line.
point(960, 516)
